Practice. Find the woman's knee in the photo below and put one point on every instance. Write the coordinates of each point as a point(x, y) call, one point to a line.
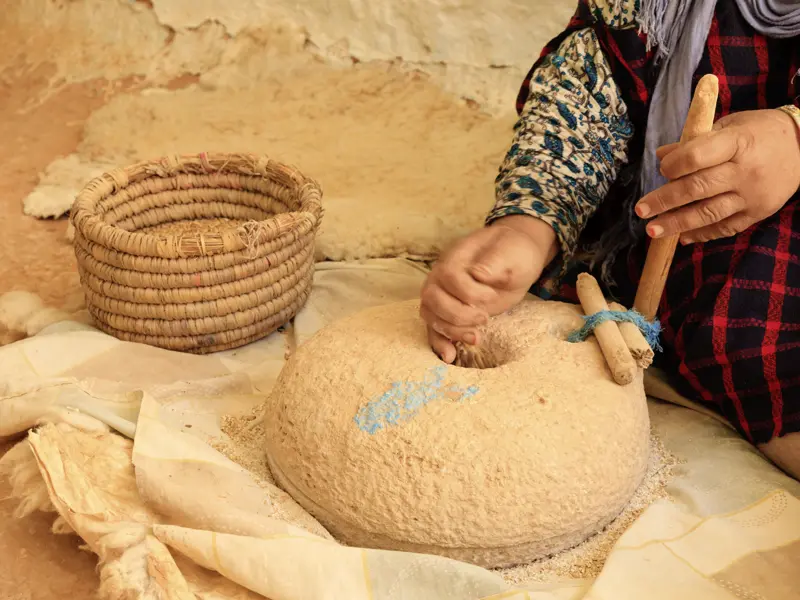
point(785, 453)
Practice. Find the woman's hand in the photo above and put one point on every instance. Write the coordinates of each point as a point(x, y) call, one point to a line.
point(484, 274)
point(723, 182)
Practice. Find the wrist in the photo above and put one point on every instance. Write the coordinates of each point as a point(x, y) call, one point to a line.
point(794, 114)
point(539, 232)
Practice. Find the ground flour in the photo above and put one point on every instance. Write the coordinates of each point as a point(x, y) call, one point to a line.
point(244, 445)
point(586, 560)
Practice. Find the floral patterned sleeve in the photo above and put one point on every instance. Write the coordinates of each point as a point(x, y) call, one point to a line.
point(569, 143)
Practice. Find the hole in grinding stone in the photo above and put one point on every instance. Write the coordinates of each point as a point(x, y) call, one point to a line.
point(490, 354)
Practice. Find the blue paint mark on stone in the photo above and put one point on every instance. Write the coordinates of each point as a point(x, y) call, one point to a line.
point(404, 399)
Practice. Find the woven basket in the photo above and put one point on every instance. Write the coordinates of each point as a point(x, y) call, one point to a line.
point(197, 253)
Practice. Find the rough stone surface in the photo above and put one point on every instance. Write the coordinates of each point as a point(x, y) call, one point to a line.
point(390, 448)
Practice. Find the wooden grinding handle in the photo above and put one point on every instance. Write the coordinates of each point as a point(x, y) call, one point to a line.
point(700, 120)
point(615, 350)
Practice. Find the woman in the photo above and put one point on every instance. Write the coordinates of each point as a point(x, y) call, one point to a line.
point(593, 173)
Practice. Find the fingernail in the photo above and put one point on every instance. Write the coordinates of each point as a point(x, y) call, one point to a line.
point(449, 355)
point(685, 241)
point(655, 230)
point(470, 338)
point(642, 210)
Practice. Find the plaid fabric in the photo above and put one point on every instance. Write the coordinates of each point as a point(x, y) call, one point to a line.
point(731, 309)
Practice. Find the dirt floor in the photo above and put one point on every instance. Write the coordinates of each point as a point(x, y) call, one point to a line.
point(37, 565)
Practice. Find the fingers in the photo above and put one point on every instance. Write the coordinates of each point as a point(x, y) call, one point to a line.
point(455, 279)
point(698, 215)
point(449, 317)
point(442, 346)
point(452, 301)
point(691, 188)
point(726, 228)
point(703, 152)
point(454, 333)
point(663, 151)
point(449, 309)
point(705, 197)
point(481, 275)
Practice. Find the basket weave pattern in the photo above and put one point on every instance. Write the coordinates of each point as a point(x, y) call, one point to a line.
point(197, 253)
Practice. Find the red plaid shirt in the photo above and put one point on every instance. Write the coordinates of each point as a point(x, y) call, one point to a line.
point(731, 309)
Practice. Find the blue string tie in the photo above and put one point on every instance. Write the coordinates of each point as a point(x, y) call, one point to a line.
point(651, 330)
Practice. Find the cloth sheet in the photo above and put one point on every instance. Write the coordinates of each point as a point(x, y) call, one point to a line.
point(119, 446)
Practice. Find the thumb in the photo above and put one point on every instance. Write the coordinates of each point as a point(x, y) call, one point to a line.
point(494, 262)
point(491, 271)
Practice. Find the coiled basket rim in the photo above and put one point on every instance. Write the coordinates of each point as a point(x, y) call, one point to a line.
point(90, 224)
point(202, 289)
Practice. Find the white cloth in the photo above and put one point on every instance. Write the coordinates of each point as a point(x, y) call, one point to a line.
point(157, 508)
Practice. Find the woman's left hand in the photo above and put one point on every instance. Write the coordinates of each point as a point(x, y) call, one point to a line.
point(723, 182)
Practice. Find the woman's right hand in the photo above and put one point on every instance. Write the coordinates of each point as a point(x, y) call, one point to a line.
point(482, 275)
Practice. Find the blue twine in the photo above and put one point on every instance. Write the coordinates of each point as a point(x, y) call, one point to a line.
point(650, 329)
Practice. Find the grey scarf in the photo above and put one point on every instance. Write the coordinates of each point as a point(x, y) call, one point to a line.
point(678, 29)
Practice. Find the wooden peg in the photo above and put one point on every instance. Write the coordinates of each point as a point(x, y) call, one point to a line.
point(700, 120)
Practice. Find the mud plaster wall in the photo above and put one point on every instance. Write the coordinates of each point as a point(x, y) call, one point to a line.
point(334, 88)
point(478, 49)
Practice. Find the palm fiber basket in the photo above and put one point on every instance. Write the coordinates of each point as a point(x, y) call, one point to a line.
point(197, 253)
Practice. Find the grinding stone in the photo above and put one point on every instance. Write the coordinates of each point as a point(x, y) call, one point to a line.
point(390, 448)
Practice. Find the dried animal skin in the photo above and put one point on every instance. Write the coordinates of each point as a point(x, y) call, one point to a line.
point(23, 314)
point(98, 500)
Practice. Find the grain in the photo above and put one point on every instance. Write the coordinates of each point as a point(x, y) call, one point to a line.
point(245, 446)
point(245, 443)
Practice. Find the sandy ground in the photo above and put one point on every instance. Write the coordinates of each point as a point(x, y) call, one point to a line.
point(36, 257)
point(35, 254)
point(37, 565)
